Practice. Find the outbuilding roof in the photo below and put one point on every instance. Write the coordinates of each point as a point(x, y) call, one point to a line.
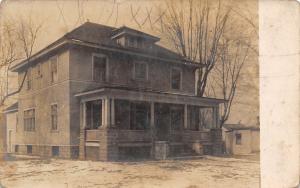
point(239, 126)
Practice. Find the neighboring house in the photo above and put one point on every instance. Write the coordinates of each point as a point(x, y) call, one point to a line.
point(103, 93)
point(11, 127)
point(241, 139)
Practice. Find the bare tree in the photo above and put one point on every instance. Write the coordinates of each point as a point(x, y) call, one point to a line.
point(17, 42)
point(8, 55)
point(195, 30)
point(232, 57)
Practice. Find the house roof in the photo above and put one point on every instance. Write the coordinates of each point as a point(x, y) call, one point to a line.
point(12, 108)
point(101, 36)
point(239, 126)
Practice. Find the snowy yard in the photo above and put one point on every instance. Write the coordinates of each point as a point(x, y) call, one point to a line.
point(207, 172)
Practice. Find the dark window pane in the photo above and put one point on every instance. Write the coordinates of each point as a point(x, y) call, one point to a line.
point(175, 79)
point(99, 68)
point(238, 139)
point(140, 71)
point(55, 151)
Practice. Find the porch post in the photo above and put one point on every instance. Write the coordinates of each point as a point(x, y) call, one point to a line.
point(107, 111)
point(112, 112)
point(152, 115)
point(185, 116)
point(103, 113)
point(82, 130)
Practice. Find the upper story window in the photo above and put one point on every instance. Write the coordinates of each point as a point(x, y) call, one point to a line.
point(238, 139)
point(39, 70)
point(140, 71)
point(53, 69)
point(99, 68)
point(176, 78)
point(54, 117)
point(29, 120)
point(29, 79)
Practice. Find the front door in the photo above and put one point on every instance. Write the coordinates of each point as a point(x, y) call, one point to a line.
point(162, 122)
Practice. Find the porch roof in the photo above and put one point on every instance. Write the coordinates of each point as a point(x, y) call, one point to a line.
point(138, 94)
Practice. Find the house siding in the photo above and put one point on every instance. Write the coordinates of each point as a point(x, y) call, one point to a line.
point(40, 97)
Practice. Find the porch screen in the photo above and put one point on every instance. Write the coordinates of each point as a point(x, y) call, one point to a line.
point(176, 113)
point(207, 118)
point(131, 115)
point(94, 114)
point(139, 116)
point(193, 117)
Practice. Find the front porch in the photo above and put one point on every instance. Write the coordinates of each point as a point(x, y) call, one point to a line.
point(117, 123)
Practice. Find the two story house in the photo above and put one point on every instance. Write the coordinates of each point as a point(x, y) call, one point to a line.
point(103, 93)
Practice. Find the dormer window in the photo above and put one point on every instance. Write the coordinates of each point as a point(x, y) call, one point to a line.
point(128, 37)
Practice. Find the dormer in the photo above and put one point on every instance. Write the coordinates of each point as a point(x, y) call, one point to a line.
point(131, 38)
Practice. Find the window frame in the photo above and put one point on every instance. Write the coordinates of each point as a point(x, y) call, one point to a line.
point(106, 67)
point(25, 126)
point(134, 69)
point(238, 141)
point(171, 78)
point(51, 116)
point(52, 81)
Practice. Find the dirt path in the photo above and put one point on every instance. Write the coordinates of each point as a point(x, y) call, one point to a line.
point(208, 172)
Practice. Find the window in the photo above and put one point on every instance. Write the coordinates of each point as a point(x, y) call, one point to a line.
point(175, 78)
point(29, 79)
point(99, 68)
point(131, 42)
point(140, 71)
point(238, 139)
point(54, 117)
point(39, 70)
point(55, 151)
point(29, 149)
point(53, 69)
point(16, 148)
point(29, 120)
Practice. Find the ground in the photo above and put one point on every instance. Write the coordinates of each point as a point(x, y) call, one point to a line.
point(215, 172)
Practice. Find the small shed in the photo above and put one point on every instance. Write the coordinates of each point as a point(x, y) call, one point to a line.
point(241, 139)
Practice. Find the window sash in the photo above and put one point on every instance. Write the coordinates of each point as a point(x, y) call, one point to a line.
point(53, 67)
point(29, 120)
point(99, 68)
point(176, 79)
point(140, 71)
point(54, 121)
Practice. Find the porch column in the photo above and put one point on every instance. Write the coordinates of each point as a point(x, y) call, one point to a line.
point(82, 131)
point(103, 113)
point(107, 111)
point(185, 123)
point(112, 109)
point(152, 115)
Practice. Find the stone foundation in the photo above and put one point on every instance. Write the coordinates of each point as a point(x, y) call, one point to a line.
point(67, 152)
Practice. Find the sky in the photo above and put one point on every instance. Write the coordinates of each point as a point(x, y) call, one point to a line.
point(59, 17)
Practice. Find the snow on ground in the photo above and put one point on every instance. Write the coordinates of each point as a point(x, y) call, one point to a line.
point(208, 172)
